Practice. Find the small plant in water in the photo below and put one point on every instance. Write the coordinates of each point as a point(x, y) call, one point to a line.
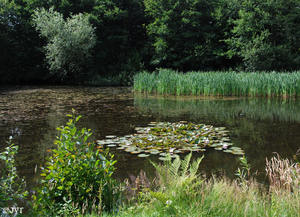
point(11, 187)
point(76, 178)
point(244, 173)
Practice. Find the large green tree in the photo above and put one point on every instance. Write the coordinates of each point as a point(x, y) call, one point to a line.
point(70, 42)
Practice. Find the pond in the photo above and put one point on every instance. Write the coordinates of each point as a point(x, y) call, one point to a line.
point(260, 126)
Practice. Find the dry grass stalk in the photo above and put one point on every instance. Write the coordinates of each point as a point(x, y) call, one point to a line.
point(283, 174)
point(138, 184)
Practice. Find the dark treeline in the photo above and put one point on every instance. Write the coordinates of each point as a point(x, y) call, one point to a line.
point(88, 41)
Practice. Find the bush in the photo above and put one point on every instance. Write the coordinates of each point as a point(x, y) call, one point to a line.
point(10, 189)
point(76, 178)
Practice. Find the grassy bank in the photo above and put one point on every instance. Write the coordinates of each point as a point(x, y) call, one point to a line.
point(167, 81)
point(180, 192)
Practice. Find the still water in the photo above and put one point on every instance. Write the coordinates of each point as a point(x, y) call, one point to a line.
point(260, 126)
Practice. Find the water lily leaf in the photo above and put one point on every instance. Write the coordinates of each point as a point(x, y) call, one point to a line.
point(219, 149)
point(130, 149)
point(143, 155)
point(225, 139)
point(238, 153)
point(110, 136)
point(100, 142)
point(111, 145)
point(163, 158)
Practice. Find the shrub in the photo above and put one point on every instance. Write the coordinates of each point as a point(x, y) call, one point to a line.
point(76, 177)
point(10, 189)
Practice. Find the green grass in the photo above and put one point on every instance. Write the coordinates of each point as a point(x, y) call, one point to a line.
point(167, 81)
point(184, 194)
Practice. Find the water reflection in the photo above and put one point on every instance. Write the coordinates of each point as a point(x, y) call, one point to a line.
point(260, 126)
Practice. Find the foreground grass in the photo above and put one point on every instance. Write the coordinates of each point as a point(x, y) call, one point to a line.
point(183, 193)
point(219, 197)
point(167, 81)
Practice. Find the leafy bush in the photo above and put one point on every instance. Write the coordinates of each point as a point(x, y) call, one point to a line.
point(76, 176)
point(10, 189)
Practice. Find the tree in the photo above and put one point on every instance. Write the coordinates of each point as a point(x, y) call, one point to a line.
point(266, 34)
point(21, 61)
point(70, 42)
point(182, 33)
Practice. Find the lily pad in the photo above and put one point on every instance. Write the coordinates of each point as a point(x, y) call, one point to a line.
point(143, 155)
point(228, 151)
point(110, 136)
point(180, 137)
point(219, 149)
point(163, 158)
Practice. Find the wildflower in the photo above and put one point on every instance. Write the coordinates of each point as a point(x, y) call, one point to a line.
point(169, 202)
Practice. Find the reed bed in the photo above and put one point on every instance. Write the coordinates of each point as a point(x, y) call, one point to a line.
point(271, 84)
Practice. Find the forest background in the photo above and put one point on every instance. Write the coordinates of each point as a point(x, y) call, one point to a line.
point(108, 41)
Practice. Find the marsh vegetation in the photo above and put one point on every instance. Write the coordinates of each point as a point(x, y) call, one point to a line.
point(214, 83)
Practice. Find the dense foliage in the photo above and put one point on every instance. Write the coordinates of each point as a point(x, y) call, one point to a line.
point(126, 36)
point(76, 177)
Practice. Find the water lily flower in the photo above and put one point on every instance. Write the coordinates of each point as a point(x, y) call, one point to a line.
point(206, 142)
point(225, 146)
point(171, 150)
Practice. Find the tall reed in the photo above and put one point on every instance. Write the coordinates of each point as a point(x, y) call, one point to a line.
point(167, 81)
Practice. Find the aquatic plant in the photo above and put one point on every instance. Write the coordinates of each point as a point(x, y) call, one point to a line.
point(161, 138)
point(168, 81)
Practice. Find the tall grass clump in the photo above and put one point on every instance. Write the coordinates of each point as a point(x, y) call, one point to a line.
point(283, 174)
point(167, 81)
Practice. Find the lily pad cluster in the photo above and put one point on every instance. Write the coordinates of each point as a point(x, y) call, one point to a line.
point(161, 138)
